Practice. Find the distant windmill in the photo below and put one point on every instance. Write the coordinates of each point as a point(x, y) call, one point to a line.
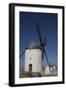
point(34, 54)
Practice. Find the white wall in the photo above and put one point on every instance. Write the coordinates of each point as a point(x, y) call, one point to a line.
point(36, 59)
point(4, 44)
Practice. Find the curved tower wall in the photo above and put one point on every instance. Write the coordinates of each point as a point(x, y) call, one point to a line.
point(33, 57)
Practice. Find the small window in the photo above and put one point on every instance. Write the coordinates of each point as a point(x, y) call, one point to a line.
point(30, 58)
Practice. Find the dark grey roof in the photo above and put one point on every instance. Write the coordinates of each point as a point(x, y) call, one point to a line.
point(34, 45)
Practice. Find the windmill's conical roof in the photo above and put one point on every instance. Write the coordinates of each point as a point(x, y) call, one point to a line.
point(34, 45)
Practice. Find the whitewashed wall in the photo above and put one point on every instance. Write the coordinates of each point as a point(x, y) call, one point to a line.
point(36, 59)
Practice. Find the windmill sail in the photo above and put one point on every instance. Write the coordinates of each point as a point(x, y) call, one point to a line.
point(46, 57)
point(22, 54)
point(38, 31)
point(42, 43)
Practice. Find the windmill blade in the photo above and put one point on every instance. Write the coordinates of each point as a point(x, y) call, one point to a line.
point(42, 53)
point(22, 54)
point(46, 57)
point(45, 40)
point(43, 46)
point(38, 31)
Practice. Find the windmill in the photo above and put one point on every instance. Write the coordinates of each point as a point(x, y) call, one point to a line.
point(34, 55)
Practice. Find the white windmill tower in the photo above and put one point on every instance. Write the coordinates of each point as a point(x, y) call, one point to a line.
point(34, 54)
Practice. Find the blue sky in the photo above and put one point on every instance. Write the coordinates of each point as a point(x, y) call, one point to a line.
point(48, 29)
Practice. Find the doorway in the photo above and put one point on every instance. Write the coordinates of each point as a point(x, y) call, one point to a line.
point(30, 67)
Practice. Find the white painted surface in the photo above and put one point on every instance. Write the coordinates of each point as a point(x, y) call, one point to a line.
point(36, 59)
point(47, 70)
